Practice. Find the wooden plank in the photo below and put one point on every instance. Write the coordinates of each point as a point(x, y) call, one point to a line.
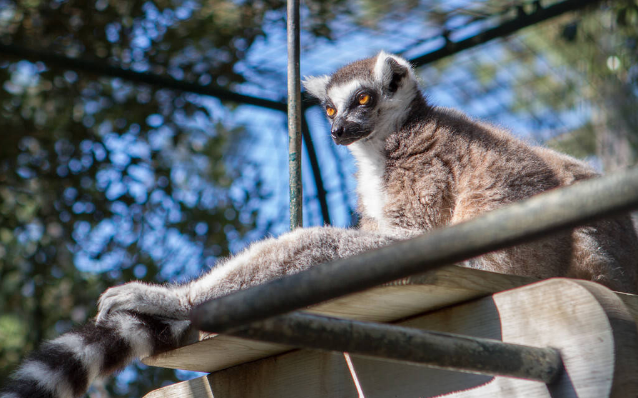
point(591, 327)
point(196, 388)
point(398, 300)
point(315, 374)
point(420, 293)
point(321, 374)
point(588, 323)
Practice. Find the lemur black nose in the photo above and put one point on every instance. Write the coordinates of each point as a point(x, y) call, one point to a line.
point(337, 131)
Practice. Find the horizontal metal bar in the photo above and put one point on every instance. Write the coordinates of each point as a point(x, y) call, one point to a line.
point(552, 211)
point(434, 349)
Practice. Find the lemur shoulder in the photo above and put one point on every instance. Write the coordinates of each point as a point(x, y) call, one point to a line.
point(419, 167)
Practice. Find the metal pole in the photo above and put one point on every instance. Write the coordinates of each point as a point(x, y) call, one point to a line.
point(434, 349)
point(294, 116)
point(553, 211)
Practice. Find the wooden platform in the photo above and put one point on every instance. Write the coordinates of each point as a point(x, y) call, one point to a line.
point(594, 329)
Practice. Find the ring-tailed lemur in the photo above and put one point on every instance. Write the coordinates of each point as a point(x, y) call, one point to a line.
point(420, 167)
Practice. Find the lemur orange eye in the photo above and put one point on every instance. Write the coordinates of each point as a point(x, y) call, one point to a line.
point(364, 99)
point(330, 111)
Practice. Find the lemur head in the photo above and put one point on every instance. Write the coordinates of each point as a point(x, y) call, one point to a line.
point(366, 99)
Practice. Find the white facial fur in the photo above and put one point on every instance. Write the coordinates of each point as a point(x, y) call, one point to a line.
point(316, 86)
point(368, 154)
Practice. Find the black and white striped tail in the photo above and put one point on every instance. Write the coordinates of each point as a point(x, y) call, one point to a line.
point(66, 366)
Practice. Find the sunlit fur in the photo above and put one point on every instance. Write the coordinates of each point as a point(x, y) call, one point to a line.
point(423, 167)
point(420, 168)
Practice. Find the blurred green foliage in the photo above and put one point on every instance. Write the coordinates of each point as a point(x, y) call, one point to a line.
point(596, 55)
point(102, 180)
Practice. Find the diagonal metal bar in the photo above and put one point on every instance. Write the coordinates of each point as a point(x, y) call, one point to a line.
point(523, 20)
point(316, 170)
point(553, 211)
point(434, 349)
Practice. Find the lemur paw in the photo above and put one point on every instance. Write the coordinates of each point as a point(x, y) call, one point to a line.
point(143, 298)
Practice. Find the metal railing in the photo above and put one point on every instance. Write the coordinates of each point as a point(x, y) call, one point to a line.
point(434, 349)
point(550, 212)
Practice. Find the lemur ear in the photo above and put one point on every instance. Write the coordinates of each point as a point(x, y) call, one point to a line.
point(316, 86)
point(390, 70)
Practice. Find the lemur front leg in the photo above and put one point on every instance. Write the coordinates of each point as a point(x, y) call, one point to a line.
point(263, 261)
point(277, 257)
point(163, 310)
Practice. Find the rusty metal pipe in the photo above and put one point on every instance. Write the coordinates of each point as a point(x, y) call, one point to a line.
point(433, 349)
point(553, 211)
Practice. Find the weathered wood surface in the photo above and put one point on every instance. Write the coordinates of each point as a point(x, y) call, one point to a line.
point(589, 324)
point(398, 300)
point(631, 302)
point(592, 328)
